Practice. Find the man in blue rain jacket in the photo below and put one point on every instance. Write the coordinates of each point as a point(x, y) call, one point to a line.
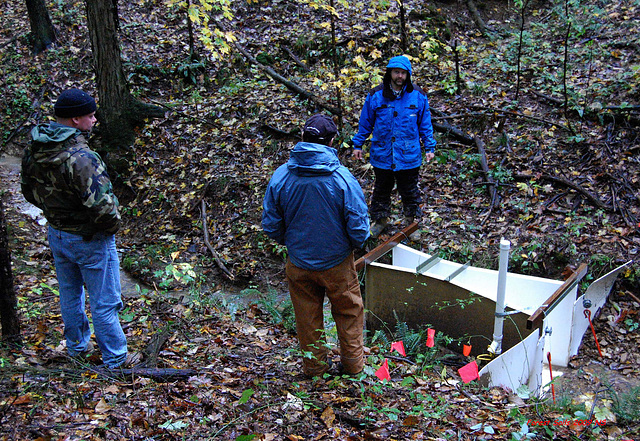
point(315, 207)
point(396, 115)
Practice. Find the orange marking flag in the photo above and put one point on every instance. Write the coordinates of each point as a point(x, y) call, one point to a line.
point(383, 372)
point(430, 335)
point(469, 372)
point(398, 346)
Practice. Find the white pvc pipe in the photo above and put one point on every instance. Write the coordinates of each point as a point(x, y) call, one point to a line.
point(496, 344)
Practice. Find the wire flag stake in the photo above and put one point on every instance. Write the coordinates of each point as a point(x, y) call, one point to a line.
point(553, 389)
point(587, 314)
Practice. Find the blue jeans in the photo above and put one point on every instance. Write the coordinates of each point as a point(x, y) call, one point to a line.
point(95, 264)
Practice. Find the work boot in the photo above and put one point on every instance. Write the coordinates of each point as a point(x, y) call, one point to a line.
point(378, 226)
point(416, 235)
point(85, 356)
point(86, 353)
point(133, 359)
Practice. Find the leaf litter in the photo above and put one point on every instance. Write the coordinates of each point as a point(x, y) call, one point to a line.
point(244, 379)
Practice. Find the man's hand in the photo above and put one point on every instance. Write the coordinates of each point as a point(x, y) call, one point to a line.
point(429, 156)
point(357, 154)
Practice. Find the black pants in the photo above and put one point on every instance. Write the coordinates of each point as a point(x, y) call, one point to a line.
point(407, 182)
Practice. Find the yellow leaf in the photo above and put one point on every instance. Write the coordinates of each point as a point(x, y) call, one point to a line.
point(328, 416)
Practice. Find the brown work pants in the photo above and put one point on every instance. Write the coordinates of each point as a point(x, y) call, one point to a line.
point(340, 284)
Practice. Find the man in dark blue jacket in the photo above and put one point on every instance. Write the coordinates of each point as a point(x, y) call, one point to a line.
point(396, 114)
point(315, 207)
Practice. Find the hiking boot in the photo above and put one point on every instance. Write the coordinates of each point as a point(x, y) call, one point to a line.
point(325, 367)
point(83, 357)
point(343, 373)
point(378, 226)
point(133, 359)
point(416, 235)
point(86, 353)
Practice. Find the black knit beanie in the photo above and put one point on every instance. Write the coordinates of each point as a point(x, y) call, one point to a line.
point(74, 102)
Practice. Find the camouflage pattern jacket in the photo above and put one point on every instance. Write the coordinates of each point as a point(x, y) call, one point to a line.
point(68, 181)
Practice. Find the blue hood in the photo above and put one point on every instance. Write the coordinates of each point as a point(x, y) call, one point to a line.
point(315, 207)
point(400, 62)
point(308, 159)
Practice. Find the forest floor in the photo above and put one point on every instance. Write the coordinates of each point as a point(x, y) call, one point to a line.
point(219, 368)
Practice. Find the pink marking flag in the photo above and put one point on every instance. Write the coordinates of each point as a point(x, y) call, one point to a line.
point(469, 372)
point(398, 346)
point(383, 372)
point(430, 335)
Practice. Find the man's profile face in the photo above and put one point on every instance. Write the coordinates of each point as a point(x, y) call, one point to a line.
point(398, 78)
point(85, 123)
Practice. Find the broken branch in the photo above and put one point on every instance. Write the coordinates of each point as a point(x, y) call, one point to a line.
point(291, 86)
point(493, 188)
point(215, 255)
point(592, 198)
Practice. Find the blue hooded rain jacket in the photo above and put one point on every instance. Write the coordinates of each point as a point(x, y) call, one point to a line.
point(315, 207)
point(396, 124)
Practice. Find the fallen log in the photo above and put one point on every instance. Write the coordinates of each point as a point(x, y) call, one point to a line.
point(290, 85)
point(445, 127)
point(592, 198)
point(157, 374)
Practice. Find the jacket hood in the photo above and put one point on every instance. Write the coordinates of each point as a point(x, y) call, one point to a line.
point(53, 132)
point(399, 62)
point(48, 139)
point(309, 159)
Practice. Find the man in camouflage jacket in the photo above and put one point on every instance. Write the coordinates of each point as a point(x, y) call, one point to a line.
point(67, 180)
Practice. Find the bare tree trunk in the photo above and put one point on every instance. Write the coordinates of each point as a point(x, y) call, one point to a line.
point(119, 113)
point(8, 301)
point(192, 42)
point(520, 43)
point(477, 18)
point(565, 64)
point(43, 34)
point(336, 67)
point(456, 58)
point(404, 41)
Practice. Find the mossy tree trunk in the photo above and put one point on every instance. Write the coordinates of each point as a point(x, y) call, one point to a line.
point(119, 112)
point(43, 34)
point(8, 301)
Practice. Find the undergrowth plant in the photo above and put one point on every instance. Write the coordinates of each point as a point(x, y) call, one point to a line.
point(279, 311)
point(626, 405)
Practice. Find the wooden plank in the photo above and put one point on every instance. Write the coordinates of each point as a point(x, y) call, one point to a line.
point(383, 248)
point(535, 320)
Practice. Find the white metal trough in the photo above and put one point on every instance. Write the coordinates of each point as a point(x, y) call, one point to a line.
point(542, 316)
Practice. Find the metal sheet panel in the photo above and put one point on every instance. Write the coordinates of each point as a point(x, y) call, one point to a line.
point(522, 364)
point(420, 300)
